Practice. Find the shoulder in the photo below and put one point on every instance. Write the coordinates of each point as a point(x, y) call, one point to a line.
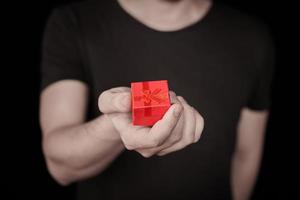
point(80, 10)
point(243, 24)
point(238, 17)
point(247, 32)
point(87, 7)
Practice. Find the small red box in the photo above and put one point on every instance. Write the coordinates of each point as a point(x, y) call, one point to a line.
point(150, 101)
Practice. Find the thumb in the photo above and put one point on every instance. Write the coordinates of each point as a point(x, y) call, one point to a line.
point(115, 100)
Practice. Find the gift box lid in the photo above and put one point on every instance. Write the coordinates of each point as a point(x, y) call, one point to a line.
point(150, 94)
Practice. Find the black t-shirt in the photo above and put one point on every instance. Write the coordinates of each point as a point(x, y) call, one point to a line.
point(220, 64)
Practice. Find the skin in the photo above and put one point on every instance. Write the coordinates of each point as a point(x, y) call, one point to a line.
point(166, 15)
point(76, 149)
point(248, 153)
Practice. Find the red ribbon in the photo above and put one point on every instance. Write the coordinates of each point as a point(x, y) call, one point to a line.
point(148, 96)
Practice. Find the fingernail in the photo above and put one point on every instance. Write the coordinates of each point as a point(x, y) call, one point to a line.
point(177, 110)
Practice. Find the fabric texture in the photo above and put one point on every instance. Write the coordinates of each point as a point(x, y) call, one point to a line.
point(220, 65)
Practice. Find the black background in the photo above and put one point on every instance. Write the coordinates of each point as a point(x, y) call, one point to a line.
point(24, 173)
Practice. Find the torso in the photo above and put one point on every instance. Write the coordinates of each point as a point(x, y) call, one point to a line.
point(207, 63)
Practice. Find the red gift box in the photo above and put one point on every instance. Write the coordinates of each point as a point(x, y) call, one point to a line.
point(150, 101)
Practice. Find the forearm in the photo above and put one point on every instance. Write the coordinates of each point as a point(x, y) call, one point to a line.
point(245, 167)
point(77, 152)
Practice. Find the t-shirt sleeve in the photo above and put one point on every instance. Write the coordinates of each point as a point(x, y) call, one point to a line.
point(61, 49)
point(260, 94)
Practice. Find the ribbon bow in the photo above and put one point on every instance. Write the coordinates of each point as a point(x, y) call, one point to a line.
point(148, 96)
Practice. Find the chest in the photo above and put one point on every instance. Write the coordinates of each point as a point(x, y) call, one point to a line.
point(204, 70)
point(213, 74)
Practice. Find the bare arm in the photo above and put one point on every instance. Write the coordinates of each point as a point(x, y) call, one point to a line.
point(75, 149)
point(248, 152)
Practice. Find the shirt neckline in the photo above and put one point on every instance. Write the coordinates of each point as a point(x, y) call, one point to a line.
point(199, 23)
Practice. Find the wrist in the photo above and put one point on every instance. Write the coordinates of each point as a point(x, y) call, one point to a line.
point(103, 129)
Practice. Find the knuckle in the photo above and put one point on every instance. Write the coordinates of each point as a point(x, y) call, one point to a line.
point(189, 108)
point(182, 100)
point(180, 97)
point(172, 93)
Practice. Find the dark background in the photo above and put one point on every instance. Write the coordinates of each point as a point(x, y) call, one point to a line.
point(24, 173)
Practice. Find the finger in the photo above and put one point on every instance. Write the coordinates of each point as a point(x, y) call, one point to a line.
point(199, 122)
point(174, 137)
point(181, 99)
point(164, 127)
point(121, 121)
point(132, 136)
point(189, 120)
point(188, 130)
point(141, 137)
point(199, 126)
point(173, 97)
point(148, 152)
point(115, 100)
